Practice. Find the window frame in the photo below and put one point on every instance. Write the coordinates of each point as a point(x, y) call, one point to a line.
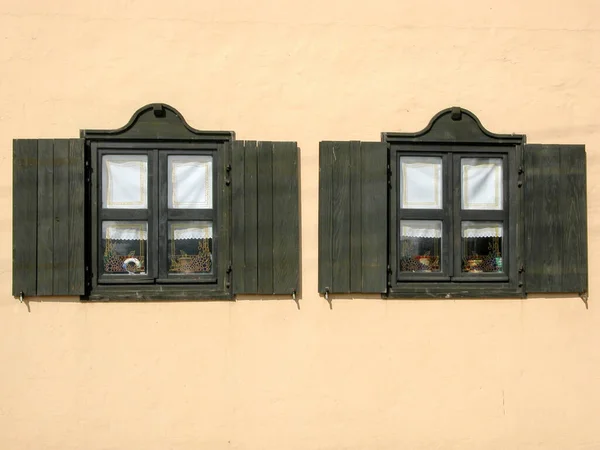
point(458, 134)
point(159, 130)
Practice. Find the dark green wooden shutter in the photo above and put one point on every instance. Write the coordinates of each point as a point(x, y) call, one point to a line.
point(48, 217)
point(265, 217)
point(555, 218)
point(353, 220)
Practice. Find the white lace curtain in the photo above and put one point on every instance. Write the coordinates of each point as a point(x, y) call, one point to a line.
point(125, 181)
point(191, 230)
point(190, 182)
point(481, 229)
point(481, 183)
point(127, 231)
point(421, 182)
point(421, 228)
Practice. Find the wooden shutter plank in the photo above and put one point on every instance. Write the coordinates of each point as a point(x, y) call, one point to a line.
point(265, 217)
point(25, 195)
point(555, 218)
point(76, 247)
point(286, 232)
point(374, 217)
point(238, 219)
point(356, 207)
point(325, 216)
point(251, 217)
point(45, 217)
point(61, 218)
point(573, 205)
point(341, 217)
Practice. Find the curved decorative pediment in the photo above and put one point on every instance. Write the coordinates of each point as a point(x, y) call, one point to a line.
point(158, 121)
point(454, 125)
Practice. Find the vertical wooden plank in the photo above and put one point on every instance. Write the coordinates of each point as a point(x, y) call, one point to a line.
point(325, 216)
point(265, 217)
point(45, 217)
point(573, 205)
point(543, 224)
point(238, 211)
point(355, 217)
point(224, 216)
point(251, 218)
point(61, 218)
point(341, 217)
point(25, 195)
point(286, 233)
point(76, 217)
point(374, 216)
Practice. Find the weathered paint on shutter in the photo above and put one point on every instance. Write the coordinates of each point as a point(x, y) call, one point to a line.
point(265, 217)
point(555, 218)
point(353, 220)
point(48, 217)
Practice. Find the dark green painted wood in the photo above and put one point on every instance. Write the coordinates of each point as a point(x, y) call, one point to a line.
point(555, 218)
point(265, 209)
point(325, 216)
point(573, 204)
point(60, 273)
point(265, 217)
point(356, 238)
point(76, 217)
point(353, 217)
point(286, 218)
point(251, 217)
point(374, 216)
point(45, 217)
point(25, 196)
point(341, 205)
point(238, 216)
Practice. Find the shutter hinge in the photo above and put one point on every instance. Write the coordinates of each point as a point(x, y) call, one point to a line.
point(229, 270)
point(521, 172)
point(88, 172)
point(228, 175)
point(389, 176)
point(389, 276)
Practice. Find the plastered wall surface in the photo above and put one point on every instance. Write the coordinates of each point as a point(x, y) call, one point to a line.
point(263, 374)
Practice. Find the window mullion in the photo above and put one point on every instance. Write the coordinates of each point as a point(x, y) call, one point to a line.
point(163, 212)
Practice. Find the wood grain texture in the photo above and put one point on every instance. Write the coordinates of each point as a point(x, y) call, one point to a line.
point(353, 217)
point(25, 202)
point(265, 217)
point(573, 205)
point(60, 273)
point(341, 206)
point(76, 246)
point(374, 217)
point(286, 218)
point(555, 218)
point(238, 213)
point(45, 217)
point(325, 216)
point(251, 217)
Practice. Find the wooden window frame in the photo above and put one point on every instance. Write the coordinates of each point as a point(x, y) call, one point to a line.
point(453, 136)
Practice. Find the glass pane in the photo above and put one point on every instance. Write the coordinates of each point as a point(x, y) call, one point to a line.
point(421, 182)
point(190, 182)
point(482, 247)
point(190, 247)
point(124, 247)
point(125, 181)
point(481, 183)
point(420, 245)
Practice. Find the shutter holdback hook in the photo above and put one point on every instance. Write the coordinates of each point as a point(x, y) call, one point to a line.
point(21, 296)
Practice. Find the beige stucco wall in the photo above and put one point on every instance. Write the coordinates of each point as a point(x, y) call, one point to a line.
point(369, 373)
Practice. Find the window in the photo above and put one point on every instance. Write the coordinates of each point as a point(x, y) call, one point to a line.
point(155, 210)
point(452, 211)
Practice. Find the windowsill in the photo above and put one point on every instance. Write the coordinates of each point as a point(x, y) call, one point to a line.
point(157, 292)
point(456, 290)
